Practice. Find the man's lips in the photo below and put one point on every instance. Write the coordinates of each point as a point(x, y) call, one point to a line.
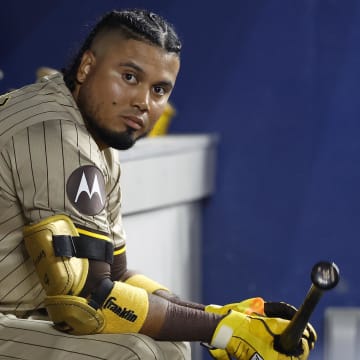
point(133, 122)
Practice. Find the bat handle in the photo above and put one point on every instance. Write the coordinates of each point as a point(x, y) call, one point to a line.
point(324, 276)
point(289, 340)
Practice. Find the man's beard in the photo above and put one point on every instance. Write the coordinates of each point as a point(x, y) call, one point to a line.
point(117, 140)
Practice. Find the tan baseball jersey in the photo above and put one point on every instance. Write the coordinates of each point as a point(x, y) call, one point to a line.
point(49, 164)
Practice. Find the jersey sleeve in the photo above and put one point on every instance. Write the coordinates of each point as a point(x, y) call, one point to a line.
point(114, 215)
point(58, 169)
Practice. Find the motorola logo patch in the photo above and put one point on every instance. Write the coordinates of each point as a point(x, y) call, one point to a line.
point(256, 356)
point(85, 189)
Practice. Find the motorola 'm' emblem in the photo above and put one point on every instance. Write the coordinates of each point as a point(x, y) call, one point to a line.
point(86, 190)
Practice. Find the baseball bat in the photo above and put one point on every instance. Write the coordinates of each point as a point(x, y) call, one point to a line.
point(324, 276)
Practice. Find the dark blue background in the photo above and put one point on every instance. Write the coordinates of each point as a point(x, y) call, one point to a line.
point(278, 80)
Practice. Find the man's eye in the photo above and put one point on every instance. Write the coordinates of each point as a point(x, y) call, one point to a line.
point(159, 90)
point(129, 78)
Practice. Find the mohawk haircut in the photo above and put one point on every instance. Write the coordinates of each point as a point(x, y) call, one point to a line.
point(137, 24)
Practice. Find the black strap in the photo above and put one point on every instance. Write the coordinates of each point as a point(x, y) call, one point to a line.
point(83, 247)
point(98, 296)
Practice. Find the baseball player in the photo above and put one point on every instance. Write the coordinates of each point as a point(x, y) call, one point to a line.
point(65, 289)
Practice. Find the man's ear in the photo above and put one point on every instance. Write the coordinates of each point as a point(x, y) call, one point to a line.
point(87, 62)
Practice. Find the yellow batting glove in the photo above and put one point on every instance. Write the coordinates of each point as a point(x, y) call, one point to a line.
point(257, 306)
point(247, 337)
point(248, 306)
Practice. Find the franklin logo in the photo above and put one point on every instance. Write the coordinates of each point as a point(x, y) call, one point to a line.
point(256, 356)
point(86, 190)
point(124, 313)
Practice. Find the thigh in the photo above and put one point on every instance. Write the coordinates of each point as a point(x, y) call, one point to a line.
point(30, 339)
point(175, 350)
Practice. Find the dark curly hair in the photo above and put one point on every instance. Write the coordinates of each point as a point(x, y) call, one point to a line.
point(135, 24)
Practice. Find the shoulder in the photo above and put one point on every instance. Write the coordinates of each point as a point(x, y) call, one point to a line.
point(50, 92)
point(36, 103)
point(112, 157)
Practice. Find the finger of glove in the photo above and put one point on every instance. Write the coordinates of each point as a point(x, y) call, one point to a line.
point(310, 335)
point(302, 353)
point(305, 349)
point(287, 311)
point(219, 354)
point(272, 325)
point(248, 306)
point(279, 309)
point(275, 327)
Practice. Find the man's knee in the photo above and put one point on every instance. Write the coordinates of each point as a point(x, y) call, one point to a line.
point(175, 350)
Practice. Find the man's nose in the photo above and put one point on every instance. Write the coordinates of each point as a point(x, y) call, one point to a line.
point(141, 99)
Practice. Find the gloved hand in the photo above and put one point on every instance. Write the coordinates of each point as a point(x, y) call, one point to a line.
point(248, 306)
point(249, 337)
point(287, 311)
point(260, 307)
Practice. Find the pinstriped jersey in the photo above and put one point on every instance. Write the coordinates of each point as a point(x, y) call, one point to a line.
point(49, 164)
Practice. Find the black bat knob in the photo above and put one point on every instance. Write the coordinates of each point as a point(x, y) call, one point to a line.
point(325, 275)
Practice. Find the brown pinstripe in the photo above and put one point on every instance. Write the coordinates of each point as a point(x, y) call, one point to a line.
point(34, 339)
point(43, 139)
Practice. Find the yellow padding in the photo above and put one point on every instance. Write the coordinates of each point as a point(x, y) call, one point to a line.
point(124, 311)
point(73, 315)
point(144, 282)
point(58, 275)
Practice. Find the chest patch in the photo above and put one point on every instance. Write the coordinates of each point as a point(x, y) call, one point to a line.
point(85, 189)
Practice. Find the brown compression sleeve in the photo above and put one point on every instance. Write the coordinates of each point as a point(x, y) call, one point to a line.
point(166, 320)
point(169, 317)
point(119, 266)
point(176, 300)
point(119, 271)
point(98, 271)
point(178, 323)
point(187, 324)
